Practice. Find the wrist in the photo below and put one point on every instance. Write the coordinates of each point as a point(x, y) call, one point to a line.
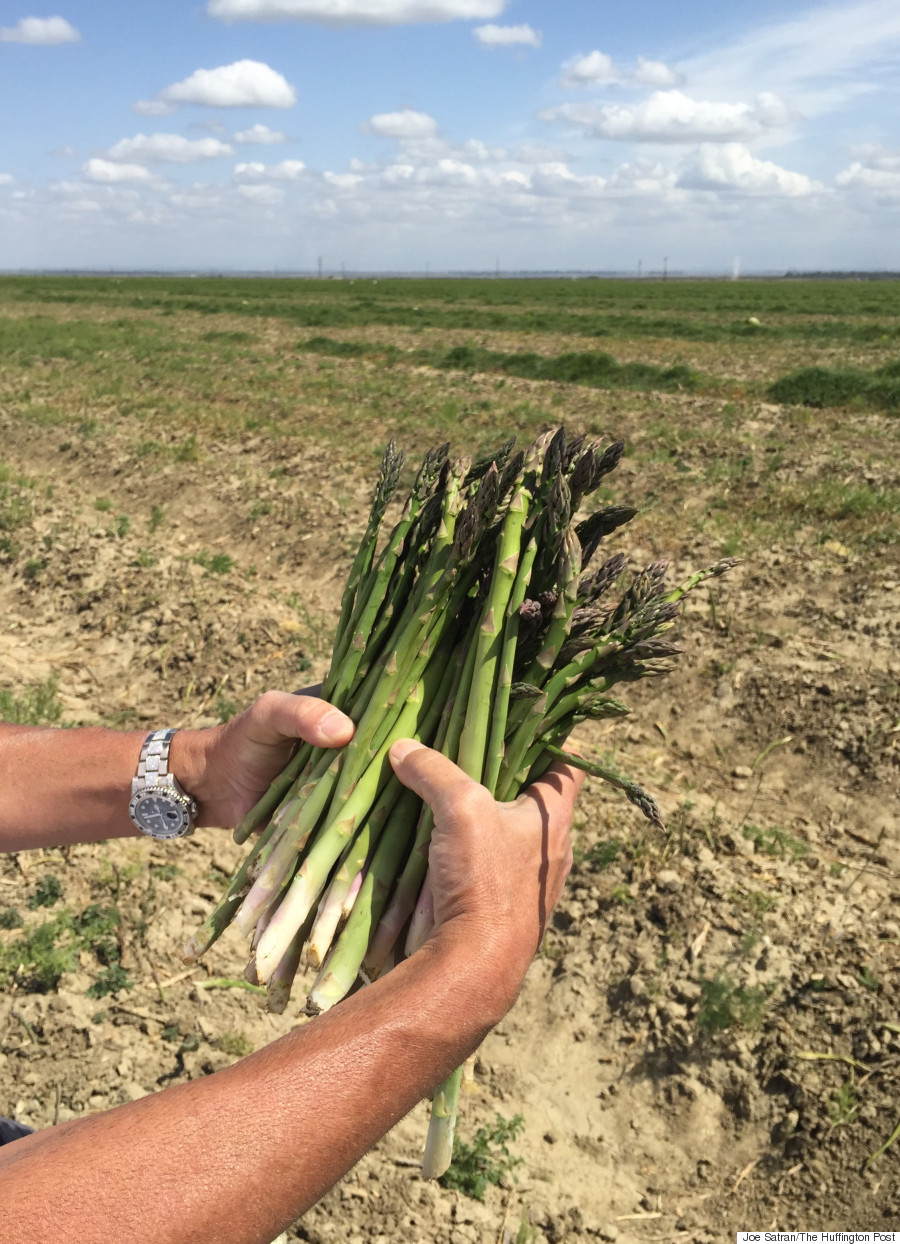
point(490, 969)
point(189, 763)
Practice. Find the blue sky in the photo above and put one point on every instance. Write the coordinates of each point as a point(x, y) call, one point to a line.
point(452, 134)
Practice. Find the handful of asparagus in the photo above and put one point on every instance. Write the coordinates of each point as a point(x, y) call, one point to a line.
point(473, 626)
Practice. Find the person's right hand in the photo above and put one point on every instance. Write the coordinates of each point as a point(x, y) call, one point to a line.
point(497, 869)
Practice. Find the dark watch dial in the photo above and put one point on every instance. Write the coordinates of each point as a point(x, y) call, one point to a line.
point(161, 815)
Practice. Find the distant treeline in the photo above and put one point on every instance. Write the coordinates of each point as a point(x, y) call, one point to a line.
point(842, 276)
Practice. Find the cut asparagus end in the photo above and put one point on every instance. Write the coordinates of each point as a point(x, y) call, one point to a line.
point(439, 1143)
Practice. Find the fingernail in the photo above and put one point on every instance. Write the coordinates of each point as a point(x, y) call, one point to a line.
point(334, 725)
point(399, 750)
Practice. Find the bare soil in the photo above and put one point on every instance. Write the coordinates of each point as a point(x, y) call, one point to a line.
point(709, 1040)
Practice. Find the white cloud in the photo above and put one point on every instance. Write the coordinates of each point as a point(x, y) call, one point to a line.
point(644, 177)
point(874, 177)
point(731, 167)
point(405, 124)
point(67, 151)
point(355, 12)
point(655, 73)
point(598, 69)
point(287, 170)
point(106, 171)
point(40, 30)
point(168, 149)
point(153, 108)
point(507, 36)
point(673, 117)
point(594, 69)
point(245, 84)
point(343, 181)
point(6, 179)
point(263, 196)
point(260, 135)
point(876, 156)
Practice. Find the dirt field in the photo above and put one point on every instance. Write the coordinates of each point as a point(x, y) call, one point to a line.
point(709, 1040)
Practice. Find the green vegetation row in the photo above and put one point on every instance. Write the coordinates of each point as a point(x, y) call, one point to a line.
point(840, 386)
point(31, 338)
point(599, 370)
point(592, 308)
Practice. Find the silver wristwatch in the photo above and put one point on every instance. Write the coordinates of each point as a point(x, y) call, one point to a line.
point(160, 807)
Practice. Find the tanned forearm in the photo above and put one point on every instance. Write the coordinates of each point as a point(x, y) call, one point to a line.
point(65, 786)
point(239, 1155)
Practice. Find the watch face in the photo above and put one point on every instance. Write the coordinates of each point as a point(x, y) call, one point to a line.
point(160, 815)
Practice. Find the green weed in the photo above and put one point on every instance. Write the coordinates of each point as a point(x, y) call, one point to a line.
point(110, 980)
point(759, 904)
point(214, 563)
point(868, 979)
point(621, 895)
point(16, 507)
point(37, 705)
point(845, 1104)
point(39, 956)
point(165, 872)
point(724, 1003)
point(226, 708)
point(235, 1044)
point(776, 841)
point(601, 855)
point(486, 1161)
point(47, 892)
point(187, 451)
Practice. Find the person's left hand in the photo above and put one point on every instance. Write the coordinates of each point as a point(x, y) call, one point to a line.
point(227, 768)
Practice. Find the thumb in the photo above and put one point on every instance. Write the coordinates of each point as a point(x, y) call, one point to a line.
point(434, 778)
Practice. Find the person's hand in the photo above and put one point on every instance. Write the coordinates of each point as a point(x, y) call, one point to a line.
point(497, 869)
point(228, 768)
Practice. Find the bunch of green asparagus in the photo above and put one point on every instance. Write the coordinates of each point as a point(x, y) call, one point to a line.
point(476, 626)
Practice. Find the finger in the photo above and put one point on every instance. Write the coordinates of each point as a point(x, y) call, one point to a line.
point(434, 778)
point(277, 715)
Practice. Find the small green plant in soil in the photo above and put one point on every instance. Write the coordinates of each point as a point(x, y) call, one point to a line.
point(10, 919)
point(110, 980)
point(776, 841)
point(165, 872)
point(47, 892)
point(724, 1003)
point(213, 563)
point(39, 956)
point(235, 1044)
point(601, 855)
point(487, 1160)
point(868, 979)
point(844, 1104)
point(37, 705)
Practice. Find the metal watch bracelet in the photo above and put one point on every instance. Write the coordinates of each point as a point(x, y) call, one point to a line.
point(159, 806)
